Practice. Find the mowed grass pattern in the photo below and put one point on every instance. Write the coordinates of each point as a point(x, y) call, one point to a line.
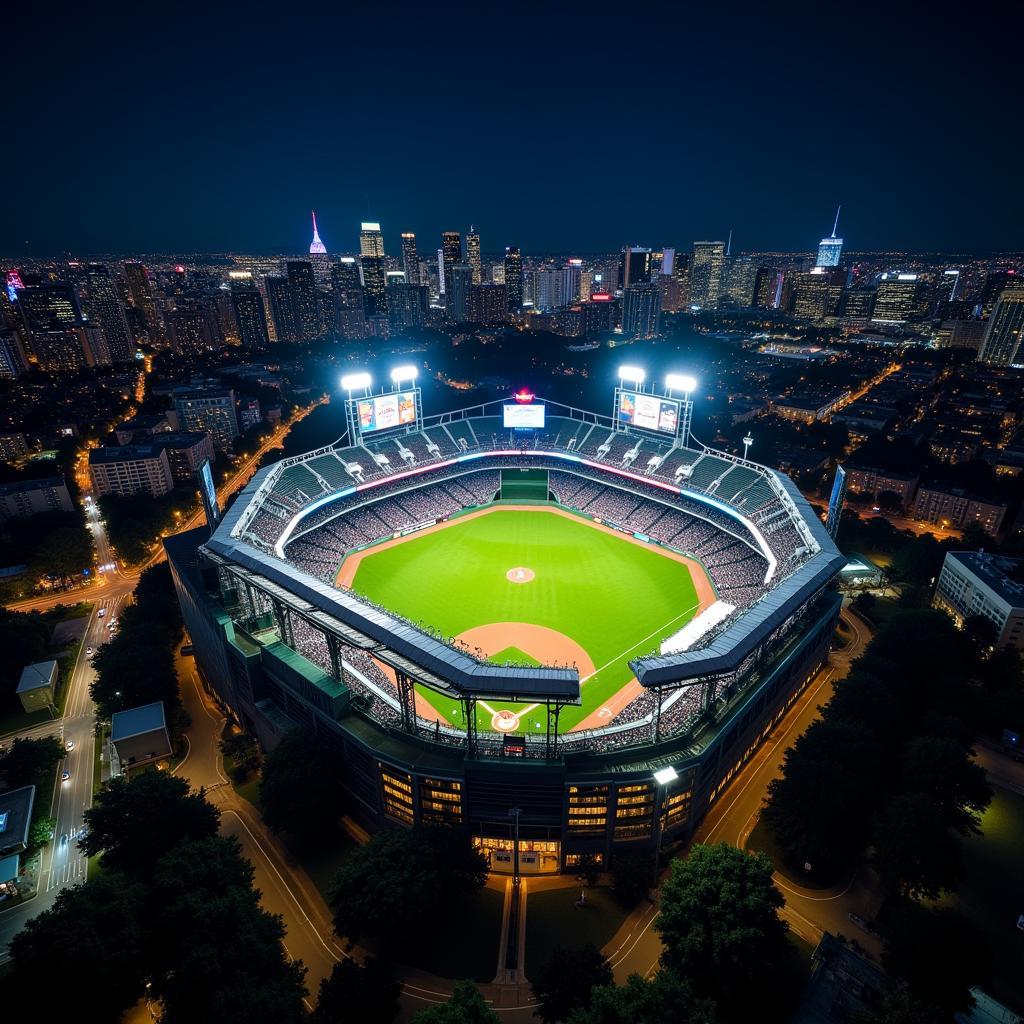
point(616, 599)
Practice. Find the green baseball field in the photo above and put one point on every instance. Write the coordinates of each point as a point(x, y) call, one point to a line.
point(530, 587)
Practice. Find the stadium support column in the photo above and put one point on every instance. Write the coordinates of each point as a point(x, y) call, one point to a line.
point(284, 624)
point(707, 693)
point(407, 699)
point(551, 749)
point(657, 714)
point(337, 669)
point(469, 710)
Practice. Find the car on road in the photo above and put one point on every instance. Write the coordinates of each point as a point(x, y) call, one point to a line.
point(70, 745)
point(65, 776)
point(88, 652)
point(102, 612)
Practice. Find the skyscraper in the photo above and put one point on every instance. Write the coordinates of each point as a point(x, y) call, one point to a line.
point(374, 284)
point(473, 254)
point(410, 258)
point(706, 274)
point(106, 309)
point(641, 311)
point(141, 294)
point(302, 285)
point(451, 254)
point(636, 266)
point(349, 299)
point(571, 275)
point(459, 283)
point(282, 310)
point(831, 248)
point(316, 246)
point(249, 312)
point(371, 241)
point(513, 278)
point(896, 299)
point(1005, 331)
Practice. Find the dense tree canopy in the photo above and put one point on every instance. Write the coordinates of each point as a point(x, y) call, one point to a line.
point(666, 999)
point(27, 762)
point(133, 824)
point(566, 981)
point(354, 994)
point(721, 928)
point(466, 1006)
point(399, 881)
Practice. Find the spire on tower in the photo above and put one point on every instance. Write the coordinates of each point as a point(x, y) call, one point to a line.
point(835, 227)
point(316, 246)
point(728, 246)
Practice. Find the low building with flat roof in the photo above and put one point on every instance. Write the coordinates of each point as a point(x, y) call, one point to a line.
point(37, 687)
point(139, 736)
point(15, 821)
point(979, 583)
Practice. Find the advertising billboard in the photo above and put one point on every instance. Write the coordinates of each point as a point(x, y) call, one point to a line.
point(383, 412)
point(835, 501)
point(649, 412)
point(525, 417)
point(208, 492)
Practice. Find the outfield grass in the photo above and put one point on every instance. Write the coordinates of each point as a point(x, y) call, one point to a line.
point(616, 599)
point(513, 656)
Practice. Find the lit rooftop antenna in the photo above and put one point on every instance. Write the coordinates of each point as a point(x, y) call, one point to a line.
point(316, 246)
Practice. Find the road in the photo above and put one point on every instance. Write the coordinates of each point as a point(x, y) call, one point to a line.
point(637, 947)
point(62, 864)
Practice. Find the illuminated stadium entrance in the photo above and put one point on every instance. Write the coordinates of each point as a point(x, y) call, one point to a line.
point(536, 856)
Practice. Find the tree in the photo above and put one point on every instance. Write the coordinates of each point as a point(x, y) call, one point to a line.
point(817, 809)
point(64, 553)
point(92, 935)
point(243, 752)
point(938, 952)
point(665, 999)
point(567, 980)
point(915, 854)
point(941, 768)
point(399, 881)
point(134, 823)
point(588, 869)
point(631, 876)
point(721, 928)
point(40, 832)
point(216, 956)
point(301, 794)
point(28, 762)
point(23, 639)
point(354, 994)
point(466, 1006)
point(865, 603)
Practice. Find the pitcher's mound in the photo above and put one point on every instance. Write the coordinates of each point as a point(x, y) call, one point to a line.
point(519, 575)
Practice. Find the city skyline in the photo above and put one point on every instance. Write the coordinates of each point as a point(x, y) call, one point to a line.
point(550, 143)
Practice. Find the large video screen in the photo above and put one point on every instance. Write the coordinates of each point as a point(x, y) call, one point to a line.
point(525, 417)
point(384, 411)
point(649, 412)
point(209, 493)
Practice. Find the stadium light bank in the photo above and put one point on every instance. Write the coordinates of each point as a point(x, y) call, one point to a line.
point(356, 382)
point(680, 382)
point(404, 373)
point(631, 374)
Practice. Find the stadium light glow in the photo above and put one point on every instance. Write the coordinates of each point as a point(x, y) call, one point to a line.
point(400, 373)
point(663, 776)
point(631, 373)
point(681, 382)
point(355, 381)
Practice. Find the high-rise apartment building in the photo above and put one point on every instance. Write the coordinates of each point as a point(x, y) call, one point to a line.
point(190, 330)
point(459, 284)
point(488, 303)
point(282, 310)
point(349, 299)
point(141, 294)
point(636, 266)
point(1005, 331)
point(212, 411)
point(305, 300)
point(450, 255)
point(410, 258)
point(741, 281)
point(572, 274)
point(641, 311)
point(106, 308)
point(706, 274)
point(374, 270)
point(514, 278)
point(250, 313)
point(473, 254)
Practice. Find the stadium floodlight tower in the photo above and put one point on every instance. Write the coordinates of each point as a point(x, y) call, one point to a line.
point(747, 442)
point(632, 375)
point(404, 373)
point(354, 384)
point(687, 384)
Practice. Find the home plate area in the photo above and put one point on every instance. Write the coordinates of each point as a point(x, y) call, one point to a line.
point(520, 574)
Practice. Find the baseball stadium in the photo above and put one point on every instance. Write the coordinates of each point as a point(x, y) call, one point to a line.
point(519, 615)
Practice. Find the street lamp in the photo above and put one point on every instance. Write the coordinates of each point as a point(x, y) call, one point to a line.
point(663, 777)
point(747, 442)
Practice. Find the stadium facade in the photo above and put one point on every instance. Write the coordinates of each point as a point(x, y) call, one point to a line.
point(283, 648)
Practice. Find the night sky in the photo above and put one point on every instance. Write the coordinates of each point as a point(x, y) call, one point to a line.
point(550, 126)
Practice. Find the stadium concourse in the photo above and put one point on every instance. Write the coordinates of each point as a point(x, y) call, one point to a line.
point(286, 643)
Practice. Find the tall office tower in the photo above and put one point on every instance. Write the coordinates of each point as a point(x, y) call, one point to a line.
point(947, 288)
point(190, 331)
point(227, 323)
point(141, 294)
point(410, 258)
point(61, 349)
point(349, 299)
point(995, 282)
point(13, 362)
point(671, 293)
point(706, 274)
point(572, 274)
point(282, 309)
point(831, 248)
point(641, 311)
point(459, 282)
point(766, 287)
point(250, 314)
point(488, 304)
point(897, 298)
point(371, 241)
point(302, 285)
point(635, 266)
point(1005, 331)
point(514, 278)
point(668, 260)
point(812, 295)
point(441, 283)
point(497, 273)
point(473, 254)
point(374, 284)
point(741, 282)
point(46, 307)
point(548, 289)
point(407, 304)
point(106, 309)
point(451, 255)
point(316, 246)
point(857, 305)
